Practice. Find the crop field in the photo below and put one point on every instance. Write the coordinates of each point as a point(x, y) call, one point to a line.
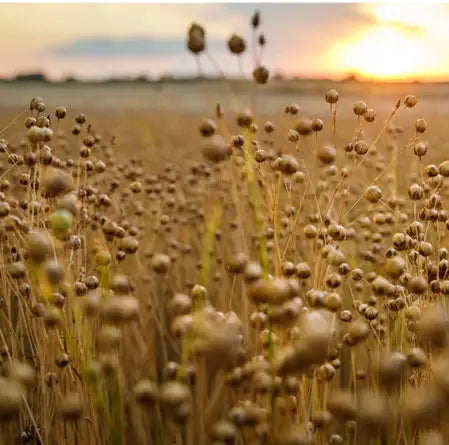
point(224, 262)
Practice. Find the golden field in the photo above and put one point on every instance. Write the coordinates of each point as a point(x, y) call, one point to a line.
point(177, 273)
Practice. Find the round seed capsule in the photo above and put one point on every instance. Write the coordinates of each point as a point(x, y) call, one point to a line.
point(332, 96)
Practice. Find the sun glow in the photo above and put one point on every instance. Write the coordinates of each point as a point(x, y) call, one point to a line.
point(387, 54)
point(398, 45)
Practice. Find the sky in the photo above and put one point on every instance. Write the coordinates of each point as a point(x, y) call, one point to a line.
point(98, 41)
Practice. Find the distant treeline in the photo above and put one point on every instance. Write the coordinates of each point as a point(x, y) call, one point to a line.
point(41, 77)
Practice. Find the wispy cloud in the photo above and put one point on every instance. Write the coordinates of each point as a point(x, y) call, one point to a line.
point(127, 47)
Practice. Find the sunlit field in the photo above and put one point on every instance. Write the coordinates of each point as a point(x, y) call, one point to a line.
point(225, 262)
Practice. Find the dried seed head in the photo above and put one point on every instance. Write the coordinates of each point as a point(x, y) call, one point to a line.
point(416, 192)
point(357, 332)
point(60, 113)
point(146, 392)
point(303, 270)
point(273, 291)
point(327, 154)
point(333, 301)
point(160, 263)
point(410, 101)
point(370, 115)
point(420, 149)
point(332, 96)
point(304, 126)
point(420, 125)
point(120, 309)
point(293, 136)
point(56, 182)
point(253, 271)
point(260, 156)
point(196, 38)
point(391, 368)
point(360, 108)
point(70, 203)
point(224, 431)
point(34, 102)
point(336, 439)
point(120, 284)
point(237, 263)
point(293, 109)
point(287, 165)
point(136, 187)
point(443, 169)
point(54, 272)
point(255, 19)
point(317, 125)
point(416, 357)
point(269, 127)
point(373, 194)
point(208, 127)
point(418, 285)
point(342, 405)
point(180, 304)
point(361, 148)
point(395, 267)
point(260, 75)
point(38, 246)
point(215, 149)
point(62, 360)
point(80, 118)
point(321, 419)
point(236, 44)
point(29, 122)
point(172, 394)
point(217, 338)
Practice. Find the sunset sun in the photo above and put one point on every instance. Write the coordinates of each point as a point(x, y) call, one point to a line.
point(396, 46)
point(385, 53)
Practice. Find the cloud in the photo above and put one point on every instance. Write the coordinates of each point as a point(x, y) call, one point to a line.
point(128, 47)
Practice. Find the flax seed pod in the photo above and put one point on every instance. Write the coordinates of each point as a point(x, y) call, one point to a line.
point(332, 96)
point(196, 39)
point(236, 44)
point(255, 19)
point(370, 115)
point(60, 113)
point(373, 194)
point(420, 125)
point(360, 108)
point(260, 75)
point(410, 101)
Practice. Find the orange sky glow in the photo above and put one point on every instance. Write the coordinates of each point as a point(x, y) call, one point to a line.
point(383, 41)
point(404, 43)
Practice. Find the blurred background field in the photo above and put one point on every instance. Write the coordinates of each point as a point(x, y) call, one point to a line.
point(192, 96)
point(162, 118)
